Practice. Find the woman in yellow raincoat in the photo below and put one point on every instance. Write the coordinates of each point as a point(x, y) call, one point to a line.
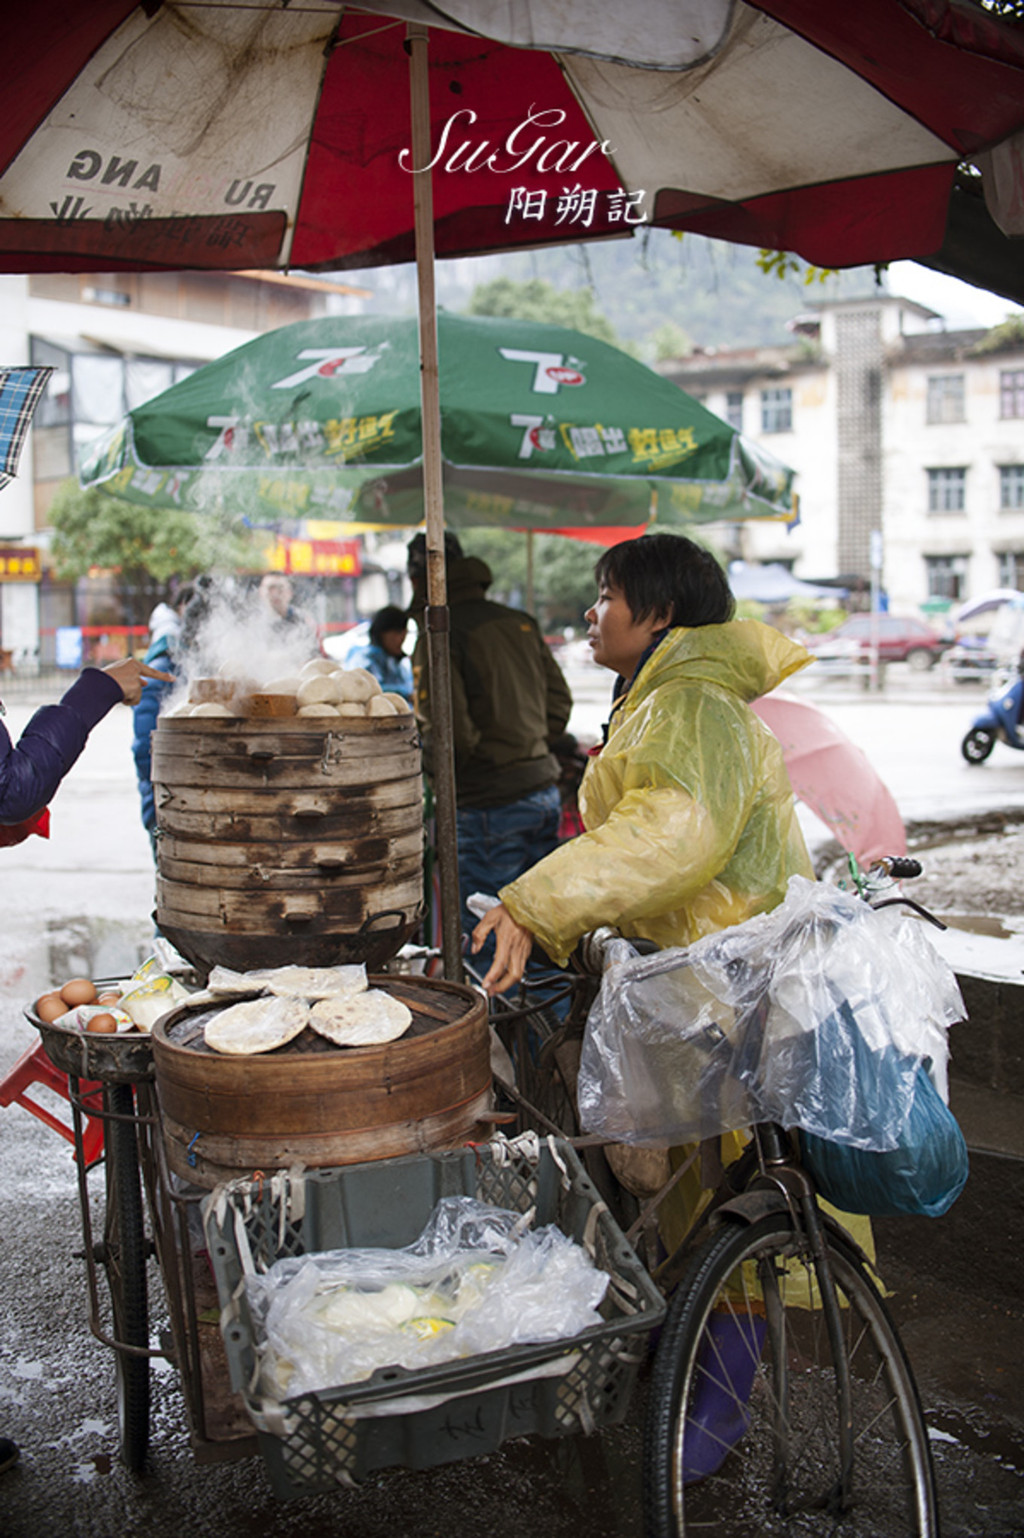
point(689, 815)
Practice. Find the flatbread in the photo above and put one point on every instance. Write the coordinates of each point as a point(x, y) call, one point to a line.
point(361, 1020)
point(291, 981)
point(257, 1025)
point(224, 980)
point(314, 982)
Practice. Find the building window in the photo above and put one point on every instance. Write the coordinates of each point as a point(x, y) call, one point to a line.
point(945, 398)
point(1011, 392)
point(947, 576)
point(90, 392)
point(734, 409)
point(947, 490)
point(1011, 486)
point(777, 411)
point(1011, 569)
point(115, 296)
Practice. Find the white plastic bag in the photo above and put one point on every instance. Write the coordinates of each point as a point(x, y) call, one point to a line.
point(476, 1280)
point(816, 1015)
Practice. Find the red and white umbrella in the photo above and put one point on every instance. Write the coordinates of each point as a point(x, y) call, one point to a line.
point(222, 134)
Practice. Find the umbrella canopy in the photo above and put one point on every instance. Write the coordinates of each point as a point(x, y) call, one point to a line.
point(985, 603)
point(773, 583)
point(20, 391)
point(265, 135)
point(541, 427)
point(834, 778)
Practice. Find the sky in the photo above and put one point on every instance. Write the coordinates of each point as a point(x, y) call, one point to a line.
point(960, 304)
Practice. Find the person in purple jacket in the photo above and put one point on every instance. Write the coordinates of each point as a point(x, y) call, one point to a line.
point(32, 768)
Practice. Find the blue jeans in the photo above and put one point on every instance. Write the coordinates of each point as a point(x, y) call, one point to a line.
point(499, 843)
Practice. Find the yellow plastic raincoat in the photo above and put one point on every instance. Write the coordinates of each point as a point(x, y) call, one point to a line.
point(690, 818)
point(691, 824)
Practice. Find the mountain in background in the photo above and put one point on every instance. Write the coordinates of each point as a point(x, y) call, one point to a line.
point(711, 291)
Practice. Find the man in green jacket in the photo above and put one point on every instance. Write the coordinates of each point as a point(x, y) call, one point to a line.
point(509, 702)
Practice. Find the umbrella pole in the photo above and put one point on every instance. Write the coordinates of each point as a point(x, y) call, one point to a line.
point(436, 620)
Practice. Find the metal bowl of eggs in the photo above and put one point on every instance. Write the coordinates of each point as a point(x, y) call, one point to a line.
point(79, 1027)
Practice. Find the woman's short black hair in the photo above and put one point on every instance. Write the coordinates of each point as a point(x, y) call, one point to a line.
point(388, 618)
point(668, 573)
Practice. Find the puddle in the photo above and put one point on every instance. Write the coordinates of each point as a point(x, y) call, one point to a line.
point(998, 1442)
point(981, 924)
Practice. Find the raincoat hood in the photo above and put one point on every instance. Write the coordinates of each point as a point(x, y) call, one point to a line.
point(744, 656)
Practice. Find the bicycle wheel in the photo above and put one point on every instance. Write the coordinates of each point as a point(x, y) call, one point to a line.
point(124, 1256)
point(742, 1422)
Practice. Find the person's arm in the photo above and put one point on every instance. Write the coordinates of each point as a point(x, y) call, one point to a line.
point(656, 852)
point(32, 768)
point(144, 718)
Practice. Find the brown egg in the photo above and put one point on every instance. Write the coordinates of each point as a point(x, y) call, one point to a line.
point(102, 1023)
point(109, 998)
point(78, 991)
point(49, 1006)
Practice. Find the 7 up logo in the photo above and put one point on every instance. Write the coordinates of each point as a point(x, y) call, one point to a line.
point(328, 363)
point(551, 370)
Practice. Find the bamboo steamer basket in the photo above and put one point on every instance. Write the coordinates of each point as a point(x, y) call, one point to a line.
point(284, 840)
point(317, 1104)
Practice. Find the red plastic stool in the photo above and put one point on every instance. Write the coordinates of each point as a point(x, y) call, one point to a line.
point(34, 1067)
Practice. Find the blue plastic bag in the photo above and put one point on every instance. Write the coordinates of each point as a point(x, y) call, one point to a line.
point(922, 1176)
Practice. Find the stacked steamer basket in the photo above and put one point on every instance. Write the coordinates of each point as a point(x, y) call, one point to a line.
point(289, 832)
point(291, 835)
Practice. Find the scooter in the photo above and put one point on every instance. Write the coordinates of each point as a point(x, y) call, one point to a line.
point(999, 722)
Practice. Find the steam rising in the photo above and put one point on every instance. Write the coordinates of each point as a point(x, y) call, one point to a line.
point(241, 638)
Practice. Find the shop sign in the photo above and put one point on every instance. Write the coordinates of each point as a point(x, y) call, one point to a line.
point(19, 563)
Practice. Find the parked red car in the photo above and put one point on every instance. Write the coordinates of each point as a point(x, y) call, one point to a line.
point(900, 639)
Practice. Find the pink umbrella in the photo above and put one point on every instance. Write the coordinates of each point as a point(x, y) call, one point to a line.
point(834, 778)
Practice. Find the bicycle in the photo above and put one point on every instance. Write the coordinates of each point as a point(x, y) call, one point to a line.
point(780, 1400)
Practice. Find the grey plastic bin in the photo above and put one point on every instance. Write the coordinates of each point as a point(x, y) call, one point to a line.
point(314, 1442)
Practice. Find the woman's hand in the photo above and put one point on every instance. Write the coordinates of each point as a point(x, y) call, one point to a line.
point(130, 675)
point(512, 946)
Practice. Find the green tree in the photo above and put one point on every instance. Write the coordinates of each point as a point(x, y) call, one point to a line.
point(670, 341)
point(537, 299)
point(145, 546)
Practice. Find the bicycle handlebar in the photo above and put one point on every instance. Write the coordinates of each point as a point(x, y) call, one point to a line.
point(589, 955)
point(899, 867)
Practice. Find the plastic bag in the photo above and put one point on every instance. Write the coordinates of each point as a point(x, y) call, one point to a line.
point(922, 1176)
point(817, 1015)
point(474, 1281)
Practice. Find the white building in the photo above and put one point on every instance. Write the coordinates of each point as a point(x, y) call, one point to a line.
point(115, 339)
point(892, 425)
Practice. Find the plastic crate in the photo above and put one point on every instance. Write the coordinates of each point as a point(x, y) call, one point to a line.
point(314, 1442)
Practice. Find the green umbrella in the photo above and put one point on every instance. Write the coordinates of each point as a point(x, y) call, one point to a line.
point(541, 427)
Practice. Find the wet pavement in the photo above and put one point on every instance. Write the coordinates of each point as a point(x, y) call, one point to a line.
point(81, 904)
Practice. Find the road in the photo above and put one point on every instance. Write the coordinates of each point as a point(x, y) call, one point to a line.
point(81, 903)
